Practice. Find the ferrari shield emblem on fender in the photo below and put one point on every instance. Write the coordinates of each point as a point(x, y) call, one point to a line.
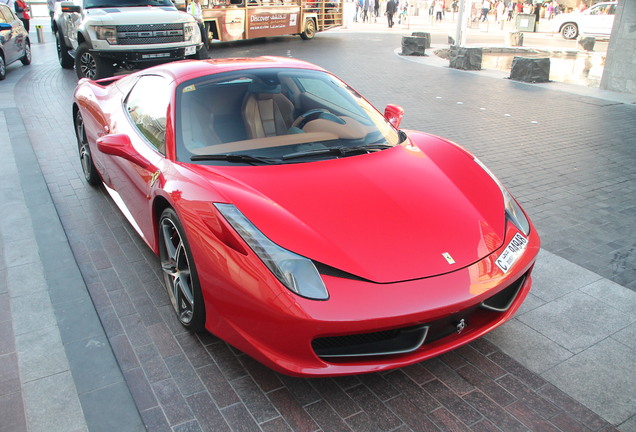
point(154, 178)
point(448, 257)
point(461, 326)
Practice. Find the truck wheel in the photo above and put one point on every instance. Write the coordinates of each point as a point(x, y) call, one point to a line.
point(310, 29)
point(202, 54)
point(90, 65)
point(66, 61)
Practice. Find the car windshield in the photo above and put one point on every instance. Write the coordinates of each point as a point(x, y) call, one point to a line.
point(270, 116)
point(126, 3)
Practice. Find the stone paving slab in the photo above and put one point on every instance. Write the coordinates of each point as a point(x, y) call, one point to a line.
point(179, 381)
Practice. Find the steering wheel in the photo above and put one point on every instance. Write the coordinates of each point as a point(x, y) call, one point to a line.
point(314, 114)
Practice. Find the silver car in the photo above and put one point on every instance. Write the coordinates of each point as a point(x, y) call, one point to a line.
point(595, 21)
point(14, 41)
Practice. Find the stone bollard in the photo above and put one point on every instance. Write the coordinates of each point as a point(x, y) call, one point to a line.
point(532, 70)
point(515, 39)
point(426, 36)
point(413, 46)
point(587, 43)
point(465, 58)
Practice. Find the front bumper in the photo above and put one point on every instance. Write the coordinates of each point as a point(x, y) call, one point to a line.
point(157, 55)
point(302, 337)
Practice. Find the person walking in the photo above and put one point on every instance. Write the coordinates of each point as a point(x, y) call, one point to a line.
point(485, 8)
point(22, 11)
point(51, 6)
point(194, 9)
point(390, 10)
point(438, 8)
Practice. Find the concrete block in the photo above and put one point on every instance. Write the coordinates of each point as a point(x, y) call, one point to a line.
point(413, 46)
point(532, 70)
point(515, 39)
point(425, 35)
point(587, 43)
point(465, 58)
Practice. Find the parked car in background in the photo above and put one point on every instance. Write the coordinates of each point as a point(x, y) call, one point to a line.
point(14, 41)
point(595, 21)
point(297, 222)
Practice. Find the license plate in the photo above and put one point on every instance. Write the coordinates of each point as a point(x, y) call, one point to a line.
point(191, 50)
point(512, 252)
point(155, 55)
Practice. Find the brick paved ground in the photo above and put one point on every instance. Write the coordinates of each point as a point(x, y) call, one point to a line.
point(562, 168)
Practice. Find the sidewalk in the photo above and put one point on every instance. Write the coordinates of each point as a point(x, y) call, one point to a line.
point(116, 360)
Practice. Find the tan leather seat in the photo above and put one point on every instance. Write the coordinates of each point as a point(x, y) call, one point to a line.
point(197, 123)
point(266, 111)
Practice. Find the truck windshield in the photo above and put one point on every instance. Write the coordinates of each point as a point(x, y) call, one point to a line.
point(126, 3)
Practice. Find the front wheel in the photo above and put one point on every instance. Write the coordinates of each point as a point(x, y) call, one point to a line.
point(65, 59)
point(570, 31)
point(90, 65)
point(3, 68)
point(310, 29)
point(88, 167)
point(179, 272)
point(26, 58)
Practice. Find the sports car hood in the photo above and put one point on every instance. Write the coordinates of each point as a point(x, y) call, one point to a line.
point(403, 213)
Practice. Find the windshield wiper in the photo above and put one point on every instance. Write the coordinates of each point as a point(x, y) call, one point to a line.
point(339, 151)
point(234, 158)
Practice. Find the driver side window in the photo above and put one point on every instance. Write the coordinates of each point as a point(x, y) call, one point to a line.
point(147, 105)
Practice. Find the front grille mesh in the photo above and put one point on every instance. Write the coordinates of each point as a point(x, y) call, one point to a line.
point(149, 34)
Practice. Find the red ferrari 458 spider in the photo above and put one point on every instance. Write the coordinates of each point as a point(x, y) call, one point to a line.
point(298, 223)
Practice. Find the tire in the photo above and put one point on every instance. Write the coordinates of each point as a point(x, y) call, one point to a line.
point(90, 65)
point(202, 54)
point(310, 29)
point(88, 167)
point(570, 31)
point(26, 58)
point(3, 68)
point(179, 272)
point(65, 59)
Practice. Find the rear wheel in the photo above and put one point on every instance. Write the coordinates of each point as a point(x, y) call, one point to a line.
point(90, 173)
point(90, 65)
point(570, 31)
point(310, 29)
point(179, 272)
point(26, 58)
point(65, 59)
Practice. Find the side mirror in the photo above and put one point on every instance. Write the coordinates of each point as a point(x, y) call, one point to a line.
point(70, 7)
point(5, 26)
point(120, 145)
point(394, 114)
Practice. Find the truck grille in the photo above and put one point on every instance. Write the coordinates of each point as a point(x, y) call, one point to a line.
point(149, 34)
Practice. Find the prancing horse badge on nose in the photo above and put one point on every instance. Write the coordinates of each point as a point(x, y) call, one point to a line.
point(461, 326)
point(448, 257)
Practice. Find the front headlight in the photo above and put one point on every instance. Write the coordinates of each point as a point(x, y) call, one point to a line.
point(513, 211)
point(297, 273)
point(107, 33)
point(191, 32)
